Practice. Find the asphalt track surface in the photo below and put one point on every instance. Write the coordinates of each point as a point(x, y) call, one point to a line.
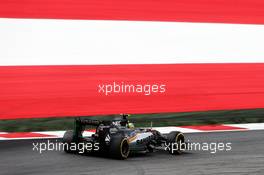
point(246, 157)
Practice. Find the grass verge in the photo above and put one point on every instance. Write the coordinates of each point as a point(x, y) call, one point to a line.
point(142, 120)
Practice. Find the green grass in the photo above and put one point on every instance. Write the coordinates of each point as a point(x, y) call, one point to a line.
point(140, 120)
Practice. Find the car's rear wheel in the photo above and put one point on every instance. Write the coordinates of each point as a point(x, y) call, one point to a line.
point(119, 147)
point(67, 139)
point(175, 140)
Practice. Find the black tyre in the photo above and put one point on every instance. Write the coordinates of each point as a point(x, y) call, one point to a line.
point(176, 140)
point(119, 147)
point(67, 140)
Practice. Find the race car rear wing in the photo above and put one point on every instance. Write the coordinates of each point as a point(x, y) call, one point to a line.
point(80, 124)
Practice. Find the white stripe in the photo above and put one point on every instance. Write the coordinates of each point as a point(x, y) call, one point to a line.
point(78, 42)
point(165, 130)
point(27, 138)
point(87, 133)
point(52, 133)
point(60, 134)
point(250, 126)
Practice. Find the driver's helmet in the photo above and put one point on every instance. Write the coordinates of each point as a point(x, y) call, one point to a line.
point(124, 115)
point(130, 125)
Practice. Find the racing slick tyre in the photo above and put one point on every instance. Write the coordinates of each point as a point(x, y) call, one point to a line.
point(67, 140)
point(119, 147)
point(175, 139)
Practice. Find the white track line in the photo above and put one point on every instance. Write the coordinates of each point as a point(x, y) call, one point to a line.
point(52, 133)
point(174, 128)
point(250, 126)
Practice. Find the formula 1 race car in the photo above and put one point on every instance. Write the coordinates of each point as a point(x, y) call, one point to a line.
point(118, 138)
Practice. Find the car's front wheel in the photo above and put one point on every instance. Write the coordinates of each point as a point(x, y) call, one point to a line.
point(119, 147)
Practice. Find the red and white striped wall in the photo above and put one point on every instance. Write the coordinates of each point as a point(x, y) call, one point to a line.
point(184, 129)
point(55, 53)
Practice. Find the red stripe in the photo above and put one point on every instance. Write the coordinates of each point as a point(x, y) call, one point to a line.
point(49, 91)
point(230, 11)
point(91, 130)
point(213, 127)
point(24, 135)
